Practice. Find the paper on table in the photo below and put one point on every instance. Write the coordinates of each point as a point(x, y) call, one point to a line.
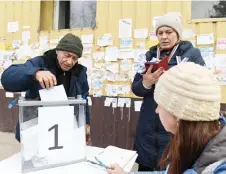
point(141, 33)
point(56, 93)
point(113, 154)
point(205, 39)
point(111, 54)
point(125, 28)
point(12, 165)
point(130, 165)
point(137, 105)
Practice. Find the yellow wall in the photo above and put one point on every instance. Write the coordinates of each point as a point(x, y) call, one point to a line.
point(26, 12)
point(108, 15)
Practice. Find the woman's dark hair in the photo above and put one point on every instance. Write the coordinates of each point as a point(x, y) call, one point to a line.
point(187, 144)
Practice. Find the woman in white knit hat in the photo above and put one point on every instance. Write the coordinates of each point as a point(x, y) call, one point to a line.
point(151, 138)
point(188, 98)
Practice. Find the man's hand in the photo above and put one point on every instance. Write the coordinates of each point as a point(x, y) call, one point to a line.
point(46, 79)
point(150, 78)
point(115, 169)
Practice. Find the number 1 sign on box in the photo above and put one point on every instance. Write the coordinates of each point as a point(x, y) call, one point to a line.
point(55, 133)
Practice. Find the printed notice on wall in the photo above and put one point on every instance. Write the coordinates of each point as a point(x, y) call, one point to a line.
point(126, 43)
point(153, 36)
point(87, 39)
point(188, 33)
point(125, 28)
point(26, 35)
point(205, 39)
point(111, 54)
point(13, 27)
point(137, 106)
point(105, 40)
point(221, 43)
point(141, 33)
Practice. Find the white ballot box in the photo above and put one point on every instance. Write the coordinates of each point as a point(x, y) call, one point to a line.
point(52, 133)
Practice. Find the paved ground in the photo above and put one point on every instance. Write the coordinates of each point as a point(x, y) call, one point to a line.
point(8, 145)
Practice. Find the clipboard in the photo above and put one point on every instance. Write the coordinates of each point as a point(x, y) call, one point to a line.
point(156, 65)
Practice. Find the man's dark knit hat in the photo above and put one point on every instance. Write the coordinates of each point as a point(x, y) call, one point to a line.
point(71, 43)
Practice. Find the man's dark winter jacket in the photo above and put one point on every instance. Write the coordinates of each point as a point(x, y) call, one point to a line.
point(151, 137)
point(20, 77)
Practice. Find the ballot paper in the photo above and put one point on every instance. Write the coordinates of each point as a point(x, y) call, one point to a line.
point(112, 154)
point(56, 93)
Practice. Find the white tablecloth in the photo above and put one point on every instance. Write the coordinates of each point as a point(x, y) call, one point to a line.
point(12, 165)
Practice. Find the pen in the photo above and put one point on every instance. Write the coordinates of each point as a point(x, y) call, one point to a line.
point(101, 163)
point(85, 95)
point(94, 163)
point(13, 103)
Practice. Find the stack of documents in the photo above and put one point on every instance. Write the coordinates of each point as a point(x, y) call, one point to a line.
point(112, 154)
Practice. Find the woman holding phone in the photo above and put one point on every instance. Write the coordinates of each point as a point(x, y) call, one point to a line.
point(188, 97)
point(151, 137)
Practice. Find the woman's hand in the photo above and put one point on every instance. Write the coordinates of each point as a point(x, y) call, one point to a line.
point(150, 78)
point(88, 137)
point(115, 169)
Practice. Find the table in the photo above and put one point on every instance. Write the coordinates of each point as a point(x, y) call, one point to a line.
point(12, 165)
